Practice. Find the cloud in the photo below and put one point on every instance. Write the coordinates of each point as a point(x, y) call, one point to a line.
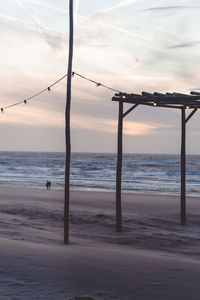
point(100, 21)
point(30, 15)
point(101, 30)
point(48, 6)
point(131, 33)
point(58, 9)
point(28, 115)
point(194, 89)
point(76, 12)
point(175, 7)
point(133, 128)
point(120, 4)
point(133, 66)
point(185, 45)
point(54, 40)
point(14, 19)
point(110, 126)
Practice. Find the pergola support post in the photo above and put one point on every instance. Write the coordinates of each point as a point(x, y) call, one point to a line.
point(119, 169)
point(183, 168)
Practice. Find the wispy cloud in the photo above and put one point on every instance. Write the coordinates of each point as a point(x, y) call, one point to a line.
point(102, 20)
point(29, 14)
point(130, 33)
point(55, 41)
point(14, 19)
point(126, 70)
point(58, 9)
point(76, 12)
point(120, 4)
point(185, 45)
point(174, 7)
point(48, 6)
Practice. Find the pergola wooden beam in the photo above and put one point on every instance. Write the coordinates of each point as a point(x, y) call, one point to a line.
point(121, 115)
point(129, 110)
point(183, 168)
point(152, 104)
point(190, 115)
point(191, 101)
point(119, 169)
point(168, 100)
point(158, 101)
point(184, 120)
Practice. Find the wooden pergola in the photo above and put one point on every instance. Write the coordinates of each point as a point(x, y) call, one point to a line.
point(168, 100)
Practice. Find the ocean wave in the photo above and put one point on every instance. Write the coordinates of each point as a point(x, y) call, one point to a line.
point(141, 172)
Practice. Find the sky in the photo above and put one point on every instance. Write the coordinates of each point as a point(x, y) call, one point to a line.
point(130, 45)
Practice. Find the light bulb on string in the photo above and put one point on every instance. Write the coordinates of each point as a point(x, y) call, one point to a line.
point(187, 107)
point(49, 89)
point(25, 102)
point(98, 84)
point(124, 97)
point(1, 109)
point(72, 74)
point(155, 103)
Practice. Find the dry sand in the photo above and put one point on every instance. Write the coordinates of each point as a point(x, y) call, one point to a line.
point(153, 258)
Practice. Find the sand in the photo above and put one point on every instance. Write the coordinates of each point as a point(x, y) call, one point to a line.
point(153, 258)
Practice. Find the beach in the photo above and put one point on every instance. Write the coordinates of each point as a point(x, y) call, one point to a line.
point(153, 258)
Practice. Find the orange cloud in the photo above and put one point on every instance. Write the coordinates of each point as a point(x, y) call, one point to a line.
point(110, 126)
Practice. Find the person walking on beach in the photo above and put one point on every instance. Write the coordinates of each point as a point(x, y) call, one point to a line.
point(48, 185)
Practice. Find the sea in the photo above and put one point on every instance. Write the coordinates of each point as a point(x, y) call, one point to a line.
point(142, 173)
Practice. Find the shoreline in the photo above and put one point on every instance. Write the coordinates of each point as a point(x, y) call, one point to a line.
point(2, 187)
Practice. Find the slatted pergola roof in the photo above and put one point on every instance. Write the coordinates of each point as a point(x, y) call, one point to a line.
point(168, 100)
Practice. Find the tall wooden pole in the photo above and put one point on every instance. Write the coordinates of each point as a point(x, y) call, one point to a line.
point(119, 169)
point(183, 168)
point(67, 128)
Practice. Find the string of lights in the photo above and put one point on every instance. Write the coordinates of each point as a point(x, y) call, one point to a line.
point(96, 82)
point(34, 95)
point(53, 84)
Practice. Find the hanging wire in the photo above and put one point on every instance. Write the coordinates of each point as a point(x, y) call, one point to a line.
point(97, 83)
point(57, 81)
point(34, 95)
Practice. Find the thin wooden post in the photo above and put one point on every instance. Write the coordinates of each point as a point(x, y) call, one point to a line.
point(119, 169)
point(67, 128)
point(183, 168)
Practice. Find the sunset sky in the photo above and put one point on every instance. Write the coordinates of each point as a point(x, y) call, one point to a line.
point(130, 45)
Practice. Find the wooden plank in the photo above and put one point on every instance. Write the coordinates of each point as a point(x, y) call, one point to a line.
point(150, 103)
point(159, 94)
point(195, 93)
point(146, 94)
point(163, 105)
point(162, 100)
point(67, 129)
